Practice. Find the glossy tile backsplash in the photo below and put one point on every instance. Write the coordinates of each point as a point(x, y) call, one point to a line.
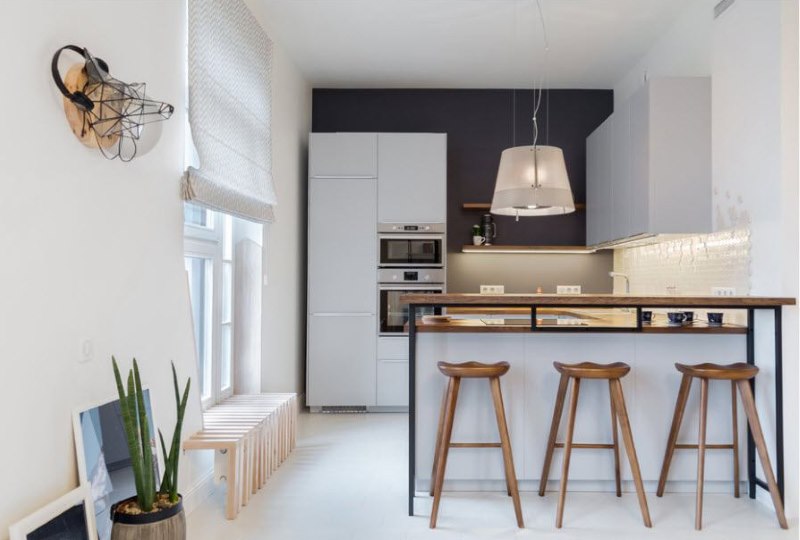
point(689, 265)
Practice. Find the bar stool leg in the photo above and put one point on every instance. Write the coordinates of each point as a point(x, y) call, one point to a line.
point(615, 439)
point(755, 427)
point(677, 418)
point(562, 493)
point(551, 440)
point(439, 433)
point(627, 437)
point(508, 478)
point(444, 447)
point(508, 460)
point(701, 453)
point(735, 432)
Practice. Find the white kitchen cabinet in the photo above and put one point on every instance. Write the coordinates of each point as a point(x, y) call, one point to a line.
point(648, 168)
point(341, 360)
point(679, 160)
point(598, 184)
point(412, 178)
point(351, 155)
point(342, 245)
point(392, 383)
point(342, 291)
point(621, 181)
point(392, 371)
point(639, 160)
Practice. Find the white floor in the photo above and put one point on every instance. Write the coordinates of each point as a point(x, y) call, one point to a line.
point(347, 480)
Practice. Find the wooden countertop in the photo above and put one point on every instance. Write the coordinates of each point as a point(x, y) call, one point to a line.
point(587, 300)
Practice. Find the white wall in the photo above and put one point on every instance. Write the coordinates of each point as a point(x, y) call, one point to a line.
point(750, 51)
point(684, 49)
point(284, 299)
point(754, 160)
point(91, 248)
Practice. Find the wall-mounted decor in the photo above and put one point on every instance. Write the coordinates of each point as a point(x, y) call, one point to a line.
point(70, 517)
point(106, 113)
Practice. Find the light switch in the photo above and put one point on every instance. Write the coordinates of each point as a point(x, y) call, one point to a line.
point(87, 351)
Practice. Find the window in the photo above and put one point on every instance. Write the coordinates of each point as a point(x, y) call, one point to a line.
point(208, 258)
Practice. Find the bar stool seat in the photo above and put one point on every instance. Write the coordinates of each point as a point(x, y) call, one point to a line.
point(589, 370)
point(726, 372)
point(739, 374)
point(454, 374)
point(473, 370)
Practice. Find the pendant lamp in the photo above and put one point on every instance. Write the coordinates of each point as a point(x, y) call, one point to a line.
point(532, 180)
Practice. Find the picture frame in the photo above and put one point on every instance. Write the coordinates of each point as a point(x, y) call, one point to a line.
point(102, 514)
point(60, 519)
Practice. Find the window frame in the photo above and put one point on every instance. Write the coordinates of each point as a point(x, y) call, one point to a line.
point(209, 242)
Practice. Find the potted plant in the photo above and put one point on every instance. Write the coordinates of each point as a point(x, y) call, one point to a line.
point(153, 514)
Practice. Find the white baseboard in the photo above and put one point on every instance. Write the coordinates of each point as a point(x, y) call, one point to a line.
point(199, 492)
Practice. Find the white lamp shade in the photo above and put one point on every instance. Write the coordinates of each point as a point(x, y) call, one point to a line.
point(532, 181)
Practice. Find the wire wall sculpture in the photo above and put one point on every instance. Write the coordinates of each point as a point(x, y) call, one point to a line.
point(106, 113)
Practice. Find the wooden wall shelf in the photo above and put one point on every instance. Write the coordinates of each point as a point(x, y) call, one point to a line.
point(487, 206)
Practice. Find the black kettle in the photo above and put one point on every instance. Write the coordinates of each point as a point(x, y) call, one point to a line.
point(488, 228)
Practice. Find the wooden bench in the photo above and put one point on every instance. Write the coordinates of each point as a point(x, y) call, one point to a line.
point(251, 435)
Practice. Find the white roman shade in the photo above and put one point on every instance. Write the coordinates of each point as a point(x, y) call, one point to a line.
point(230, 60)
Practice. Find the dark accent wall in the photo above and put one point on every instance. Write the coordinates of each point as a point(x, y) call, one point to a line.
point(480, 124)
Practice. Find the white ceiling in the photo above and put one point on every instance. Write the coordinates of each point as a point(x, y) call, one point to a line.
point(464, 43)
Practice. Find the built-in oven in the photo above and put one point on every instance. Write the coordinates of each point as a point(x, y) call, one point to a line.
point(411, 245)
point(393, 284)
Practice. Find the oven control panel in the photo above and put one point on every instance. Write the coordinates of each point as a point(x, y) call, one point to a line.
point(411, 275)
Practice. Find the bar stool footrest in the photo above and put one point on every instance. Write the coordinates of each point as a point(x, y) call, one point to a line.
point(476, 445)
point(593, 446)
point(708, 446)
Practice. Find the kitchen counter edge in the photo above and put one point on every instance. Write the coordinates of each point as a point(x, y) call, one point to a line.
point(587, 300)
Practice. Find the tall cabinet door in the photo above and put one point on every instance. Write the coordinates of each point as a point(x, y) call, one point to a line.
point(412, 177)
point(342, 245)
point(621, 189)
point(640, 161)
point(598, 188)
point(341, 360)
point(343, 155)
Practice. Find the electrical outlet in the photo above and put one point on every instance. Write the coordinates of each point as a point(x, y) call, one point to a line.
point(568, 289)
point(492, 289)
point(723, 291)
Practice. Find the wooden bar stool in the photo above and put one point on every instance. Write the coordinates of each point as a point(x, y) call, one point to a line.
point(739, 375)
point(589, 370)
point(454, 373)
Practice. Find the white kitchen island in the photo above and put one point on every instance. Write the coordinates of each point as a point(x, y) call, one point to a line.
point(530, 386)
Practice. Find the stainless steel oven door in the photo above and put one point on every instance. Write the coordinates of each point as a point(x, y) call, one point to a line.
point(403, 250)
point(393, 314)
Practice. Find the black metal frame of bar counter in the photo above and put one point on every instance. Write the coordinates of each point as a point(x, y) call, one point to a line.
point(752, 480)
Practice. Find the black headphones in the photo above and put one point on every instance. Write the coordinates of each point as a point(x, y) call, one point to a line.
point(80, 99)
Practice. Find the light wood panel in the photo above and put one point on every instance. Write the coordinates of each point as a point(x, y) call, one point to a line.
point(256, 432)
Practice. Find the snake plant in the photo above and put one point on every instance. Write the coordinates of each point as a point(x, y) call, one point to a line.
point(137, 432)
point(169, 483)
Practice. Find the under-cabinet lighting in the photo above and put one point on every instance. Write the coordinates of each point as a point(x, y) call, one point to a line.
point(529, 251)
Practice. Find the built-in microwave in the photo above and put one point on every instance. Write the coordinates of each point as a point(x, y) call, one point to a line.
point(411, 245)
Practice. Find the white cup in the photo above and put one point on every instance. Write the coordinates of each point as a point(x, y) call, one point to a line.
point(478, 240)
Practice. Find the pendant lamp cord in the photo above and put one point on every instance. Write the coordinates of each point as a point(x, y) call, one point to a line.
point(543, 80)
point(537, 97)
